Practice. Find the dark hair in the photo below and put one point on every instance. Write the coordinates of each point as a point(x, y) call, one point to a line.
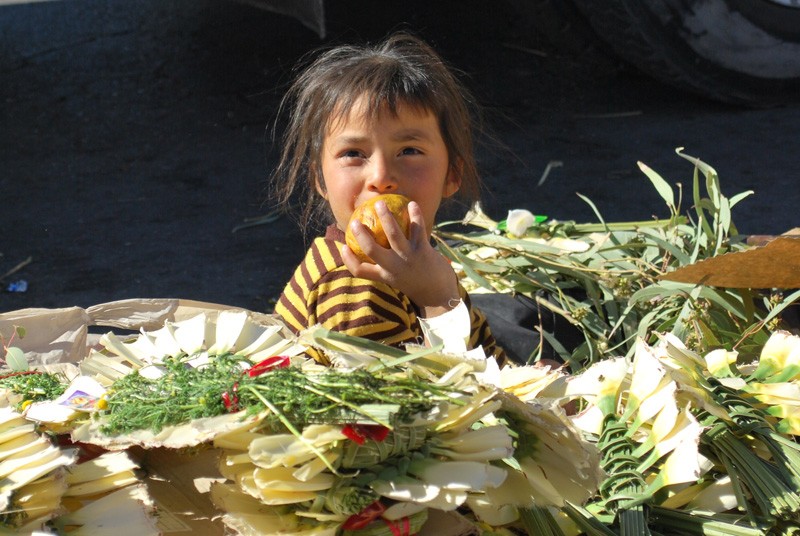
point(402, 69)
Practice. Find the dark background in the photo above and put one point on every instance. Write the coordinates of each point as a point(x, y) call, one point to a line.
point(135, 137)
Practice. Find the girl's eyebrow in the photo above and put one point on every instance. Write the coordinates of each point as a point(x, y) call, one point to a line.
point(349, 140)
point(410, 134)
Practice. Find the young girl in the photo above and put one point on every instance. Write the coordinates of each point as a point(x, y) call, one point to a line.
point(365, 121)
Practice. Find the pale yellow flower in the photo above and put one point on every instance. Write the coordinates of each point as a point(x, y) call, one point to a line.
point(518, 221)
point(718, 362)
point(776, 394)
point(600, 384)
point(646, 377)
point(779, 356)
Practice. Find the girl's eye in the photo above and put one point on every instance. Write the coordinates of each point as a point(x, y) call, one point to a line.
point(351, 153)
point(410, 150)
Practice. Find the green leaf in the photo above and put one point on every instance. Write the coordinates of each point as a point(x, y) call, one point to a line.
point(662, 187)
point(681, 328)
point(539, 520)
point(593, 207)
point(702, 166)
point(586, 521)
point(320, 334)
point(466, 264)
point(15, 359)
point(725, 215)
point(709, 339)
point(728, 301)
point(680, 255)
point(782, 306)
point(738, 197)
point(559, 349)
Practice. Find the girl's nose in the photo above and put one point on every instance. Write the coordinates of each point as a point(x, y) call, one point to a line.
point(381, 177)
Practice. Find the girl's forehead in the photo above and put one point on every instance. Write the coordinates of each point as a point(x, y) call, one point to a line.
point(364, 112)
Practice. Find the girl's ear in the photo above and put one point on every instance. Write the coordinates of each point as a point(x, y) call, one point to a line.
point(319, 186)
point(452, 182)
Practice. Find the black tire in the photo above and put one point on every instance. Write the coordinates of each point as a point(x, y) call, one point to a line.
point(561, 26)
point(735, 51)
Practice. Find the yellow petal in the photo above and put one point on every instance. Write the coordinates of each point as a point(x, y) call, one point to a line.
point(458, 475)
point(477, 217)
point(191, 334)
point(683, 464)
point(646, 377)
point(126, 511)
point(486, 439)
point(781, 350)
point(493, 514)
point(542, 489)
point(104, 465)
point(276, 497)
point(258, 338)
point(229, 327)
point(656, 401)
point(282, 479)
point(600, 384)
point(518, 221)
point(718, 497)
point(35, 454)
point(719, 362)
point(164, 341)
point(405, 488)
point(685, 434)
point(665, 421)
point(458, 417)
point(781, 393)
point(100, 485)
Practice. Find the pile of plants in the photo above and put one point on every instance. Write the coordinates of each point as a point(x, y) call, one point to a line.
point(676, 413)
point(689, 391)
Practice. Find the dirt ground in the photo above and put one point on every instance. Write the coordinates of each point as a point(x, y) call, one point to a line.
point(134, 140)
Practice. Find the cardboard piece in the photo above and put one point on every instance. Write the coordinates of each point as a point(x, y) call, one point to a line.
point(774, 265)
point(63, 336)
point(172, 477)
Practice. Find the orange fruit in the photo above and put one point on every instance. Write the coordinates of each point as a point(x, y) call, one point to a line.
point(365, 213)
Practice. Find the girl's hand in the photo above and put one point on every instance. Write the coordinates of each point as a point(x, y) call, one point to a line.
point(412, 265)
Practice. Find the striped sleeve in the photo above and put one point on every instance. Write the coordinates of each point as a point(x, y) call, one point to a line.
point(293, 305)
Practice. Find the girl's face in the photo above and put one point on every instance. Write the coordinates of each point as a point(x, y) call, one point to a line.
point(403, 154)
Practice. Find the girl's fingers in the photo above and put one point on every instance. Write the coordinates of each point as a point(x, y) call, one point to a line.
point(365, 240)
point(394, 234)
point(380, 255)
point(417, 227)
point(356, 266)
point(391, 263)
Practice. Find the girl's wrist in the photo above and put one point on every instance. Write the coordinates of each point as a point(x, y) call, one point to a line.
point(433, 310)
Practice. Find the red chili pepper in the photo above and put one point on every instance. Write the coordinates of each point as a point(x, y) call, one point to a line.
point(352, 434)
point(376, 432)
point(231, 402)
point(361, 432)
point(278, 361)
point(401, 528)
point(364, 517)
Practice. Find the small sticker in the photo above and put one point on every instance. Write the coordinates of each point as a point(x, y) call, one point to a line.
point(81, 401)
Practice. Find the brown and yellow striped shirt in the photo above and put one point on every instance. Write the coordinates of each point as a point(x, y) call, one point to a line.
point(322, 291)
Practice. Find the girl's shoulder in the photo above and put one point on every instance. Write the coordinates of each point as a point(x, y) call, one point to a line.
point(323, 256)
